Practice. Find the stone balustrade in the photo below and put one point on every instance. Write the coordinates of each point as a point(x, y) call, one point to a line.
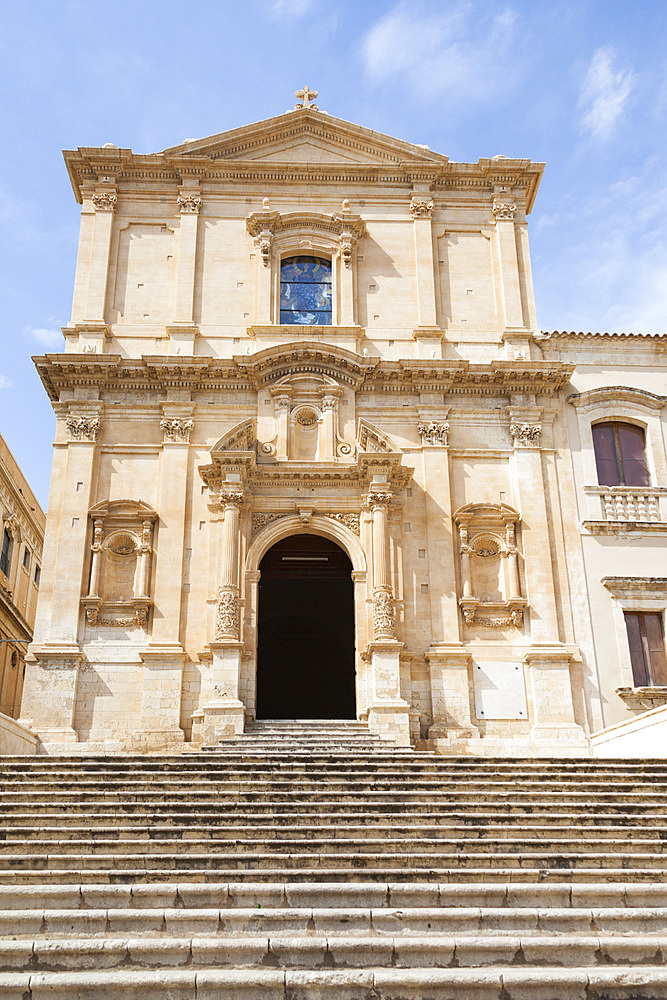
point(628, 503)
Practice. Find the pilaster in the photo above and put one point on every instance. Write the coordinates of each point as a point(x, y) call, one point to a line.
point(421, 208)
point(104, 203)
point(189, 204)
point(504, 210)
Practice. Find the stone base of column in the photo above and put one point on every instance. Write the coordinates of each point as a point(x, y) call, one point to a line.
point(554, 719)
point(390, 720)
point(450, 694)
point(50, 692)
point(160, 698)
point(221, 719)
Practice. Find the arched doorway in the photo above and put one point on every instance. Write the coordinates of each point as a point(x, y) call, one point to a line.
point(305, 652)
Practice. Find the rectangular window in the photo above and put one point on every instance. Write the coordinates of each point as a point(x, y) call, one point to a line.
point(38, 573)
point(26, 558)
point(620, 454)
point(647, 648)
point(6, 553)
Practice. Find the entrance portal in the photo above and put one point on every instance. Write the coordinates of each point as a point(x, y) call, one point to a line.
point(305, 653)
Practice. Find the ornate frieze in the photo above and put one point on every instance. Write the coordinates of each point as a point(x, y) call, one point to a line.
point(350, 521)
point(421, 207)
point(189, 204)
point(526, 435)
point(82, 428)
point(177, 430)
point(513, 620)
point(105, 202)
point(434, 432)
point(503, 210)
point(261, 520)
point(136, 620)
point(227, 613)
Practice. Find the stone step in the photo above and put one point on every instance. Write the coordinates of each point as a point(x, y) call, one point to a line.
point(95, 832)
point(491, 983)
point(343, 846)
point(114, 922)
point(285, 950)
point(258, 859)
point(320, 873)
point(280, 896)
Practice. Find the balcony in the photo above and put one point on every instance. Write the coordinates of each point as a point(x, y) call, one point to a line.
point(628, 507)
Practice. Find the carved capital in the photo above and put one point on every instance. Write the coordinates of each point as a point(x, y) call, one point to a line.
point(233, 498)
point(526, 435)
point(105, 202)
point(189, 204)
point(227, 614)
point(383, 615)
point(379, 499)
point(176, 431)
point(503, 210)
point(434, 432)
point(82, 428)
point(421, 207)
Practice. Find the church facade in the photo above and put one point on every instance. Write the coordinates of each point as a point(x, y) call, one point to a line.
point(315, 459)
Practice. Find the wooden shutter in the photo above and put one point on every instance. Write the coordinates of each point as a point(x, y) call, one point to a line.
point(606, 460)
point(639, 665)
point(634, 470)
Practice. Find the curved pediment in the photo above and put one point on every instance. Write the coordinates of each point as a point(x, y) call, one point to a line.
point(309, 357)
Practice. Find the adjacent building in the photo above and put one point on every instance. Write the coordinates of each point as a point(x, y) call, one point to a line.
point(315, 458)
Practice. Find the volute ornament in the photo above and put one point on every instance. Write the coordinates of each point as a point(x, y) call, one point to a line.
point(105, 202)
point(434, 432)
point(189, 204)
point(503, 210)
point(176, 430)
point(83, 428)
point(526, 435)
point(422, 208)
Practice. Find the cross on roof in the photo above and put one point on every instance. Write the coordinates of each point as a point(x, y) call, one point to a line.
point(305, 97)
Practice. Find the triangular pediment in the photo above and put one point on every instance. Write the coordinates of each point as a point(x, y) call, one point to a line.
point(308, 136)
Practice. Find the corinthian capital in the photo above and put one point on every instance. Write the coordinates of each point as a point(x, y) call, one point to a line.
point(82, 428)
point(503, 210)
point(189, 204)
point(421, 207)
point(526, 435)
point(105, 202)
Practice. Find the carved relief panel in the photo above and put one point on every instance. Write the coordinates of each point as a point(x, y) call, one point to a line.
point(489, 571)
point(304, 422)
point(121, 550)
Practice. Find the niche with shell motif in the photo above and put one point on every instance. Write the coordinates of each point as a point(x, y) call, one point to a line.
point(120, 564)
point(489, 565)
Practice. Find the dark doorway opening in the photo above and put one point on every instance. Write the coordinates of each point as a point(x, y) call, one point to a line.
point(305, 652)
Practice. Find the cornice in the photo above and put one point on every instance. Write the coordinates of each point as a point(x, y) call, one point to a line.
point(110, 372)
point(582, 335)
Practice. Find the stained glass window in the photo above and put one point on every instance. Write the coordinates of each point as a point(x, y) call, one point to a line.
point(305, 291)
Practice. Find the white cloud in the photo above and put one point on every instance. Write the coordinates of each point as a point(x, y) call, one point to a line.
point(46, 337)
point(604, 93)
point(5, 382)
point(457, 54)
point(281, 9)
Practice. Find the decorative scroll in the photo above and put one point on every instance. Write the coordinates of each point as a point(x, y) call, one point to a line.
point(83, 428)
point(514, 619)
point(434, 432)
point(260, 521)
point(138, 619)
point(263, 243)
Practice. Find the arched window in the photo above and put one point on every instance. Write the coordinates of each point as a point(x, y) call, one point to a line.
point(305, 291)
point(620, 454)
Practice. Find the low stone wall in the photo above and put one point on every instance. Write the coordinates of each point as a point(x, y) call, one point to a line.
point(643, 736)
point(15, 738)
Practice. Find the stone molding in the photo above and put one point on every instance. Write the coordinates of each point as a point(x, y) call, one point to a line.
point(642, 698)
point(62, 373)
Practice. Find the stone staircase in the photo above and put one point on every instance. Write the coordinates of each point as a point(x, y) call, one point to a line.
point(310, 861)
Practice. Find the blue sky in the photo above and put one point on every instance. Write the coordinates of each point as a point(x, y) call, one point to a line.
point(579, 85)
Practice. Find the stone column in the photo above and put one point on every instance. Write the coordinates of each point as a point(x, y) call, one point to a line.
point(503, 210)
point(104, 202)
point(329, 425)
point(388, 714)
point(224, 715)
point(164, 656)
point(548, 659)
point(281, 402)
point(189, 203)
point(346, 277)
point(54, 657)
point(96, 555)
point(421, 207)
point(145, 557)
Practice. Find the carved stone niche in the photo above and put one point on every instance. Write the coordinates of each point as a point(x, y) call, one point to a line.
point(489, 566)
point(120, 564)
point(305, 425)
